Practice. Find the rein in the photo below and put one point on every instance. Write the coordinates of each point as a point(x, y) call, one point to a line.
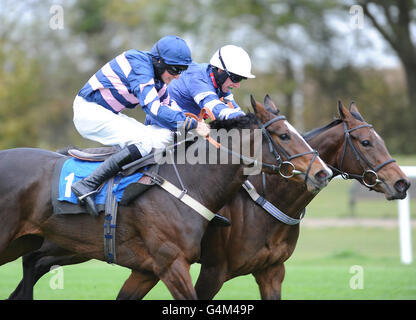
point(368, 175)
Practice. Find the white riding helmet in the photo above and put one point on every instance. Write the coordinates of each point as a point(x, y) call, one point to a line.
point(234, 60)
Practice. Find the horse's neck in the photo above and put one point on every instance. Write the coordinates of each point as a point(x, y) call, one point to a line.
point(227, 184)
point(329, 144)
point(216, 184)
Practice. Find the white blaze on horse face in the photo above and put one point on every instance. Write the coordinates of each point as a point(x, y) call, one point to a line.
point(377, 136)
point(294, 131)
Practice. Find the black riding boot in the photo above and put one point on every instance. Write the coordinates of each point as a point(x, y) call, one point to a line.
point(86, 188)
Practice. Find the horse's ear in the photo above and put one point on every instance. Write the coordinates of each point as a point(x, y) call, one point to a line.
point(269, 105)
point(258, 108)
point(253, 103)
point(353, 107)
point(343, 112)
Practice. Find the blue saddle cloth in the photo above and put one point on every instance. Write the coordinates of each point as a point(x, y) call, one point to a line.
point(74, 169)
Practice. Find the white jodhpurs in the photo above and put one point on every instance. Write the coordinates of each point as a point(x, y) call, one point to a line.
point(97, 123)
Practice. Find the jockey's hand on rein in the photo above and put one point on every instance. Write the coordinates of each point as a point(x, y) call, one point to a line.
point(202, 129)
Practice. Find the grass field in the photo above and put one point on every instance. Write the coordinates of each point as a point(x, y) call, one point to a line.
point(320, 268)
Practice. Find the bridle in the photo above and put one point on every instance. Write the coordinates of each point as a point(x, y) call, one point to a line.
point(285, 168)
point(287, 165)
point(369, 177)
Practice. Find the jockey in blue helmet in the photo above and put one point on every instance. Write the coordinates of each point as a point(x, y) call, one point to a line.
point(132, 78)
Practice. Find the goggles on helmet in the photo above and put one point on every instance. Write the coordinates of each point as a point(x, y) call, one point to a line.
point(175, 70)
point(172, 69)
point(233, 77)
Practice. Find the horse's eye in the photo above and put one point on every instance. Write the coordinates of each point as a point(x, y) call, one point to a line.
point(284, 136)
point(365, 143)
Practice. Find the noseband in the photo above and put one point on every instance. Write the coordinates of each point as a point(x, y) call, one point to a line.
point(368, 175)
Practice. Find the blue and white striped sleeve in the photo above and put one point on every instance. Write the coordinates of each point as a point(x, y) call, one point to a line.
point(143, 87)
point(229, 99)
point(208, 99)
point(170, 116)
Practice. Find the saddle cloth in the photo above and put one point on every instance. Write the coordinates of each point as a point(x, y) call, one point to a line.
point(74, 170)
point(69, 170)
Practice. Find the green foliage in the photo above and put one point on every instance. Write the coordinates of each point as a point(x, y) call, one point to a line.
point(37, 86)
point(380, 96)
point(91, 16)
point(19, 98)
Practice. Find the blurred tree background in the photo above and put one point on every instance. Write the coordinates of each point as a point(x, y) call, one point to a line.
point(305, 54)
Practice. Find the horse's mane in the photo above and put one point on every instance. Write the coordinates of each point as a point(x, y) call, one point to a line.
point(315, 132)
point(242, 122)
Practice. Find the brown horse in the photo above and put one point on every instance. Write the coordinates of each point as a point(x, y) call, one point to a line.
point(157, 236)
point(262, 244)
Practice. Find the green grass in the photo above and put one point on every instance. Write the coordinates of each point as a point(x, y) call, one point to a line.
point(320, 266)
point(319, 269)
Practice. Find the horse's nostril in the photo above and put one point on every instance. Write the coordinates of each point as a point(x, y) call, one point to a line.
point(321, 175)
point(402, 185)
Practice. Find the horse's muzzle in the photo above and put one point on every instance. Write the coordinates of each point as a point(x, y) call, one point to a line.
point(322, 178)
point(401, 186)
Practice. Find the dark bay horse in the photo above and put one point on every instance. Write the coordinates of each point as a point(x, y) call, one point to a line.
point(158, 237)
point(262, 244)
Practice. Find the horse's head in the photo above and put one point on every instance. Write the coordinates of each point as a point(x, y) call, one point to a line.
point(287, 148)
point(364, 156)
